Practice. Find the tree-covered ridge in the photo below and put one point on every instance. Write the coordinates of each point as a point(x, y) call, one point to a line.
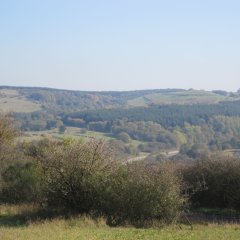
point(167, 116)
point(192, 128)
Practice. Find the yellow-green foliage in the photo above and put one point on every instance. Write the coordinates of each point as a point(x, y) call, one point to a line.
point(181, 138)
point(7, 135)
point(7, 131)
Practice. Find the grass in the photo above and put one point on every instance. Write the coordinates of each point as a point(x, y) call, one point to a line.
point(70, 132)
point(12, 101)
point(60, 229)
point(12, 227)
point(188, 97)
point(73, 132)
point(178, 97)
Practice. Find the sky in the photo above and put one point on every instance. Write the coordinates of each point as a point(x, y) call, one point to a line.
point(120, 44)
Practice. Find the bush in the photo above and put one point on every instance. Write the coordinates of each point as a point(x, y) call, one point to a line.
point(81, 177)
point(74, 173)
point(123, 136)
point(139, 193)
point(21, 183)
point(7, 147)
point(215, 182)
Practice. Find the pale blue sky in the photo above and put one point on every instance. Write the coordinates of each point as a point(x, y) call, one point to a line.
point(120, 44)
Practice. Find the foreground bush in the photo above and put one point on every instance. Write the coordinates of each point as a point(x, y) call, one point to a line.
point(10, 155)
point(138, 193)
point(21, 183)
point(74, 174)
point(215, 182)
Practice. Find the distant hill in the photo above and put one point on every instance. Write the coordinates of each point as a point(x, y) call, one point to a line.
point(30, 99)
point(145, 121)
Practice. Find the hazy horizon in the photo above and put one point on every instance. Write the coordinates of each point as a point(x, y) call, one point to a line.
point(114, 90)
point(120, 45)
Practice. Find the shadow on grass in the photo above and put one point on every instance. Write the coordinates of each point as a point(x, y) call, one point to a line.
point(12, 221)
point(23, 219)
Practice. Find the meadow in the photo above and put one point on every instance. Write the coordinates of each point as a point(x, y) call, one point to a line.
point(72, 132)
point(177, 97)
point(13, 226)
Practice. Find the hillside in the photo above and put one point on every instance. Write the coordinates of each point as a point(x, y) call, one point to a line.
point(11, 100)
point(26, 99)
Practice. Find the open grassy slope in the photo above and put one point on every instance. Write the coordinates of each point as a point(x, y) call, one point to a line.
point(12, 101)
point(72, 132)
point(12, 227)
point(178, 97)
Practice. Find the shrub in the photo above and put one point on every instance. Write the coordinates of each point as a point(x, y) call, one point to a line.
point(123, 136)
point(215, 182)
point(7, 148)
point(138, 193)
point(21, 183)
point(81, 177)
point(74, 172)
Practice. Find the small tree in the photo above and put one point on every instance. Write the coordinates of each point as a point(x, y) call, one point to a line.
point(62, 129)
point(7, 134)
point(123, 136)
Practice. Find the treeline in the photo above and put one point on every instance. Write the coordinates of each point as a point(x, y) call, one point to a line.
point(167, 116)
point(37, 121)
point(84, 178)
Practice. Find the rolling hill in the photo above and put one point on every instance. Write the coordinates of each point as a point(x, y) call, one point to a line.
point(27, 99)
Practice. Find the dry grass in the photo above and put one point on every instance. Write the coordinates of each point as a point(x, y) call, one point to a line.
point(12, 101)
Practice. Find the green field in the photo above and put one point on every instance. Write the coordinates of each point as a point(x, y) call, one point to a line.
point(73, 132)
point(70, 132)
point(186, 97)
point(12, 227)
